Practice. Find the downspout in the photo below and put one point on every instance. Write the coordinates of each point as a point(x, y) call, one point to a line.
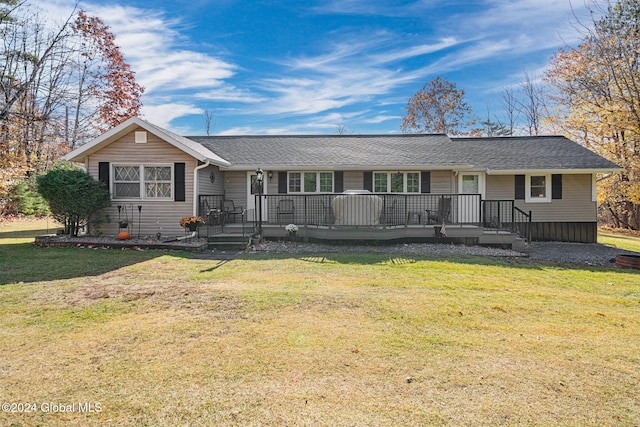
point(195, 186)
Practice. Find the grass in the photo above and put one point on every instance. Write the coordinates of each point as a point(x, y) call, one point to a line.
point(157, 338)
point(620, 239)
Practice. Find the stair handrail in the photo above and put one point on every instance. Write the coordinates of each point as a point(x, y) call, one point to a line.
point(527, 216)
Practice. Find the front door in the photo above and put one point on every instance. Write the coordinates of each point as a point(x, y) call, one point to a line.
point(252, 212)
point(470, 183)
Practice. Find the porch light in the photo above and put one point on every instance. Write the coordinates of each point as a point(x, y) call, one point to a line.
point(259, 175)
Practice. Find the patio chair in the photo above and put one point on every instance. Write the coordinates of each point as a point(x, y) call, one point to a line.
point(443, 212)
point(229, 208)
point(286, 207)
point(327, 213)
point(315, 211)
point(391, 213)
point(213, 214)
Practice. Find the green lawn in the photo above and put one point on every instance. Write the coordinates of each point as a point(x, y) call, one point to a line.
point(157, 338)
point(626, 241)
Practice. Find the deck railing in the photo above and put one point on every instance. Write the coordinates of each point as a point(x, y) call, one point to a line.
point(211, 208)
point(504, 215)
point(371, 210)
point(366, 210)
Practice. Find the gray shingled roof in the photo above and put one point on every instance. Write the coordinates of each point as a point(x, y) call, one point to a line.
point(531, 153)
point(389, 151)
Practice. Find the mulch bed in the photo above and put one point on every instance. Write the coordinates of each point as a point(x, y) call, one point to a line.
point(52, 240)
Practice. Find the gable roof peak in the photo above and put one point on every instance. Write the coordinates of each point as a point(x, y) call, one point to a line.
point(190, 147)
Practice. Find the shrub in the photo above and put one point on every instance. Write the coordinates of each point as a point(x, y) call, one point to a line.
point(73, 196)
point(27, 201)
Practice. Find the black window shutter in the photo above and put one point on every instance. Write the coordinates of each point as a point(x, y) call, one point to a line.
point(556, 186)
point(282, 182)
point(338, 181)
point(179, 194)
point(103, 173)
point(425, 182)
point(368, 181)
point(520, 187)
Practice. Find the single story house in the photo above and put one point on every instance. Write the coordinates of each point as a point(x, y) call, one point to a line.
point(404, 186)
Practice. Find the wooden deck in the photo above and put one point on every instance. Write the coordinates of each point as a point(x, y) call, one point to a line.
point(455, 233)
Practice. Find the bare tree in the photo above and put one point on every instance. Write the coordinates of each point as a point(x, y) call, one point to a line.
point(510, 107)
point(208, 120)
point(25, 52)
point(531, 106)
point(492, 128)
point(50, 75)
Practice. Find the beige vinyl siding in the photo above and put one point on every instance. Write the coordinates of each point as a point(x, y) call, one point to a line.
point(575, 206)
point(271, 185)
point(442, 182)
point(204, 181)
point(235, 186)
point(157, 216)
point(353, 180)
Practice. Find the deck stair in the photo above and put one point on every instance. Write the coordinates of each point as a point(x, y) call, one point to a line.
point(498, 238)
point(229, 241)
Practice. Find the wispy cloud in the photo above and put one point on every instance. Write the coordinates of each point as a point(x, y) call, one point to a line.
point(356, 70)
point(414, 51)
point(153, 47)
point(399, 8)
point(350, 73)
point(164, 113)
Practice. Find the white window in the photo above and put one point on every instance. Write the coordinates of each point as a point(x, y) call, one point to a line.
point(538, 188)
point(310, 182)
point(142, 182)
point(157, 182)
point(380, 182)
point(396, 182)
point(295, 182)
point(326, 182)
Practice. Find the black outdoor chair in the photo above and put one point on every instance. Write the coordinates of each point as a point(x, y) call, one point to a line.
point(214, 215)
point(442, 214)
point(391, 213)
point(229, 208)
point(316, 213)
point(286, 207)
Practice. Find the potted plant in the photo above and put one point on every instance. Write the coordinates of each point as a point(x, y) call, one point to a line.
point(292, 229)
point(191, 222)
point(124, 223)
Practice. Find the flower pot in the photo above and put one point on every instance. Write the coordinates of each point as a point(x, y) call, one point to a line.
point(124, 235)
point(192, 227)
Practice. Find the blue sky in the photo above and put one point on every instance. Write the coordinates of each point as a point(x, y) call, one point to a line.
point(288, 67)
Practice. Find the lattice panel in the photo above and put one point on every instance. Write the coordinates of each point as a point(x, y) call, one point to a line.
point(127, 173)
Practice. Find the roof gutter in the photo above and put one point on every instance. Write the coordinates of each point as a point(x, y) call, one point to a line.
point(195, 186)
point(346, 167)
point(554, 171)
